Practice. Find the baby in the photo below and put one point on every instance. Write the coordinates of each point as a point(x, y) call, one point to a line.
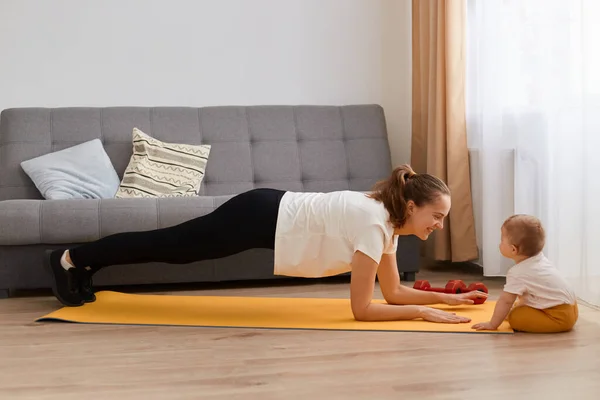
point(546, 302)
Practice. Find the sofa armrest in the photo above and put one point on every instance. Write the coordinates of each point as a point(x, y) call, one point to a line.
point(408, 256)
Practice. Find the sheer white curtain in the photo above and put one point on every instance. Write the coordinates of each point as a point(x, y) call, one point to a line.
point(533, 125)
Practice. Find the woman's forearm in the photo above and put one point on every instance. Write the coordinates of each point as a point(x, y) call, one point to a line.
point(387, 312)
point(406, 295)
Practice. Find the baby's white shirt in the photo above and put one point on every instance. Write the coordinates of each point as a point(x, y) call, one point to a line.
point(538, 283)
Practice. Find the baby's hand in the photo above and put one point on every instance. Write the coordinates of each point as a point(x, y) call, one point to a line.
point(484, 326)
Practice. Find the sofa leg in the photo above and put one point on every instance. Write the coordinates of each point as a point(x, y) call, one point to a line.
point(4, 293)
point(409, 276)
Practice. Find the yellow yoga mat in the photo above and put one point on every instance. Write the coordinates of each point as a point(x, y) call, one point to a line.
point(252, 312)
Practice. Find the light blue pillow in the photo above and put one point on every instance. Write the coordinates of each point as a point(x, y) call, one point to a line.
point(83, 171)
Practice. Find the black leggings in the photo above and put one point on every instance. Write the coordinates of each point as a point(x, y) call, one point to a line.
point(244, 222)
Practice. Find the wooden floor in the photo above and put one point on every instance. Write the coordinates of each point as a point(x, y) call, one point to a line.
point(72, 361)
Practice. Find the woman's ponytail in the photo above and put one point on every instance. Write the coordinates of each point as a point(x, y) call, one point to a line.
point(403, 185)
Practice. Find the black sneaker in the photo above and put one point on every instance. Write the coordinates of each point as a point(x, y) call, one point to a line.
point(85, 287)
point(66, 284)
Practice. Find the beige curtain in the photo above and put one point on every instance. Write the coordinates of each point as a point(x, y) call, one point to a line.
point(439, 140)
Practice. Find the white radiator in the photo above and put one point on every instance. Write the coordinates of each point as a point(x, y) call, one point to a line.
point(499, 201)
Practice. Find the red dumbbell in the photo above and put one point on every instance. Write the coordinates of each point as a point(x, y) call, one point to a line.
point(426, 286)
point(453, 286)
point(458, 286)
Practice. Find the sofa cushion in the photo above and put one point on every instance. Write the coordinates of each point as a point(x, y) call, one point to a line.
point(354, 155)
point(83, 171)
point(161, 169)
point(77, 221)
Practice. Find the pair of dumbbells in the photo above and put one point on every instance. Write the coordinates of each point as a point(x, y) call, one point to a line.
point(454, 286)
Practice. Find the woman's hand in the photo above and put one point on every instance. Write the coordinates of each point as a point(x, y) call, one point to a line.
point(434, 315)
point(464, 298)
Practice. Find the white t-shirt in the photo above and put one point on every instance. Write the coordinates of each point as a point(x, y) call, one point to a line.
point(318, 233)
point(538, 283)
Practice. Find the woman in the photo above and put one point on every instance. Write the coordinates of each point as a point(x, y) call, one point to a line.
point(312, 235)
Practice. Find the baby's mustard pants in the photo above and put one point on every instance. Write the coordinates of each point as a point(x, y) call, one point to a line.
point(561, 318)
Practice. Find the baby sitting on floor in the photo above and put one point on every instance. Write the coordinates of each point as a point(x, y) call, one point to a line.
point(546, 303)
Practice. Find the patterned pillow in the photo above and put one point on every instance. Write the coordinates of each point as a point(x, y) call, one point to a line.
point(159, 169)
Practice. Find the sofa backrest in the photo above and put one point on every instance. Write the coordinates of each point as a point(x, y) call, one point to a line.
point(301, 148)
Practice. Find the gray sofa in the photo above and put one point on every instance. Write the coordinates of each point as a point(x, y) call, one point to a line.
point(300, 148)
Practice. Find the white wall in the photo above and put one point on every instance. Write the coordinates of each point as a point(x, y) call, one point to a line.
point(209, 52)
point(396, 95)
